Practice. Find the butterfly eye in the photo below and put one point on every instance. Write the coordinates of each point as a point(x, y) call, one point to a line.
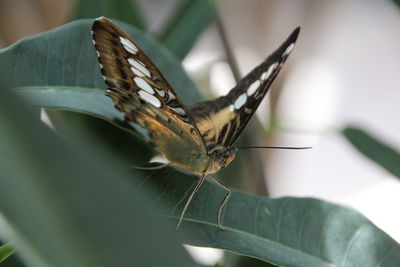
point(230, 156)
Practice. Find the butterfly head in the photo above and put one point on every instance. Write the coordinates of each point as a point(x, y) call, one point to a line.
point(223, 156)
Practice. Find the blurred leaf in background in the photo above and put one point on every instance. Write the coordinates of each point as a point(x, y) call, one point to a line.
point(6, 250)
point(186, 24)
point(124, 10)
point(374, 149)
point(181, 30)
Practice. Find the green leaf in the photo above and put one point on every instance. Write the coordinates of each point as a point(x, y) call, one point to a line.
point(191, 18)
point(70, 205)
point(374, 149)
point(253, 262)
point(83, 100)
point(285, 231)
point(66, 57)
point(236, 260)
point(124, 10)
point(6, 251)
point(93, 102)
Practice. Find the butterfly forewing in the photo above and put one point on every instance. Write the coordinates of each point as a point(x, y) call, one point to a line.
point(222, 120)
point(138, 89)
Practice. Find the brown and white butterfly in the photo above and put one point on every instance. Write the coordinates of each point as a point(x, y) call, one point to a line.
point(196, 138)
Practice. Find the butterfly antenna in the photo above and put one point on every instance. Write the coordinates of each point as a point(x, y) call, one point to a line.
point(199, 183)
point(276, 147)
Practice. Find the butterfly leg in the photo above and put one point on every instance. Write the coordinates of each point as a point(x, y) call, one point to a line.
point(199, 183)
point(224, 201)
point(158, 167)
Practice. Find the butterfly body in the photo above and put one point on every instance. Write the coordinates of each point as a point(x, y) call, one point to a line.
point(197, 138)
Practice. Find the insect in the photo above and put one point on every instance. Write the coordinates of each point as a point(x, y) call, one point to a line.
point(197, 138)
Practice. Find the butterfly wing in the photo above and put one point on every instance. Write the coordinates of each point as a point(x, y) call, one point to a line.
point(222, 120)
point(139, 90)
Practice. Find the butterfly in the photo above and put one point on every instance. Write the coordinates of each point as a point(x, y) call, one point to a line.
point(197, 138)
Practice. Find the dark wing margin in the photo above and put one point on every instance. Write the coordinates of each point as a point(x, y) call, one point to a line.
point(222, 120)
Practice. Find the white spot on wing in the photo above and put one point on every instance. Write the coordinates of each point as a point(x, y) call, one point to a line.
point(253, 87)
point(160, 92)
point(231, 108)
point(137, 64)
point(263, 76)
point(268, 73)
point(239, 102)
point(178, 111)
point(128, 45)
point(171, 96)
point(288, 49)
point(143, 85)
point(150, 98)
point(137, 72)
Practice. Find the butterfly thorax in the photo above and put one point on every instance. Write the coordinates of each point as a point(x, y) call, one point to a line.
point(201, 163)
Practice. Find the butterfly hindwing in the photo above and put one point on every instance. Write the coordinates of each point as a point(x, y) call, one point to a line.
point(138, 89)
point(222, 120)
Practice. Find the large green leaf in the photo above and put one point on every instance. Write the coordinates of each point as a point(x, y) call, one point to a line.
point(70, 205)
point(6, 251)
point(285, 231)
point(374, 149)
point(125, 10)
point(186, 24)
point(66, 57)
